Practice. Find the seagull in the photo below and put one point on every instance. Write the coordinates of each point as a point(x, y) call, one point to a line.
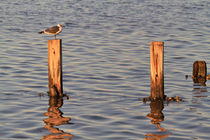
point(53, 30)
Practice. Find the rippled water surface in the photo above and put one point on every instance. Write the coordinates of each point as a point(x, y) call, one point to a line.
point(106, 70)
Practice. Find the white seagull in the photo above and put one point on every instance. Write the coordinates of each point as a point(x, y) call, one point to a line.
point(53, 30)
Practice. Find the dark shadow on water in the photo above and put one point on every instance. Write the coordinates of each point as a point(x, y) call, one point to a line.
point(156, 115)
point(56, 119)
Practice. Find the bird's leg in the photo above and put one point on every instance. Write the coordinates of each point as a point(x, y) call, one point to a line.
point(55, 36)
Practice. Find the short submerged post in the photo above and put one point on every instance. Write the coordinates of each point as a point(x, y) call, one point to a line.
point(55, 67)
point(199, 72)
point(156, 69)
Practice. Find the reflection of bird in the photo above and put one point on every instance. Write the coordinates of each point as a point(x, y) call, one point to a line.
point(53, 30)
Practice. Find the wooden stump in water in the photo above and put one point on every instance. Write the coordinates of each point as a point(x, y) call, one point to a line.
point(55, 67)
point(199, 72)
point(156, 69)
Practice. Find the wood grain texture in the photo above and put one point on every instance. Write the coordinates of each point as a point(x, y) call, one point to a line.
point(55, 67)
point(156, 69)
point(199, 74)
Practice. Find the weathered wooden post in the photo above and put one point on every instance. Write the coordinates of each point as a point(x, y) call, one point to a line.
point(199, 74)
point(55, 67)
point(156, 69)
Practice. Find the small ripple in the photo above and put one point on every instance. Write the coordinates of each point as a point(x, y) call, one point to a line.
point(95, 117)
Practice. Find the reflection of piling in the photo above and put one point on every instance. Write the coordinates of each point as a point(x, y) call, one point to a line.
point(156, 111)
point(55, 67)
point(156, 69)
point(156, 114)
point(199, 72)
point(56, 119)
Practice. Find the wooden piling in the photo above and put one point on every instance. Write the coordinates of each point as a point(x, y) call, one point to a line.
point(199, 74)
point(156, 69)
point(55, 67)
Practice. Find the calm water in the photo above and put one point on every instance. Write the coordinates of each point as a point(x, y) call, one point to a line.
point(106, 69)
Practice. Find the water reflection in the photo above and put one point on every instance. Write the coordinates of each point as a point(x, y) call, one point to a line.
point(155, 137)
point(199, 86)
point(55, 119)
point(201, 81)
point(156, 115)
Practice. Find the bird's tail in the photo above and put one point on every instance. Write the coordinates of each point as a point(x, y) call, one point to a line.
point(41, 32)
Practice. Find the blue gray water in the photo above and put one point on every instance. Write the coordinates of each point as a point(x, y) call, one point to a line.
point(106, 69)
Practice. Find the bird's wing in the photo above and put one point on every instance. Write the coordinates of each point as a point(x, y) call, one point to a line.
point(53, 29)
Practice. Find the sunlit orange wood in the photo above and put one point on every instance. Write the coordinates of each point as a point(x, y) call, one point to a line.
point(156, 69)
point(55, 67)
point(199, 74)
